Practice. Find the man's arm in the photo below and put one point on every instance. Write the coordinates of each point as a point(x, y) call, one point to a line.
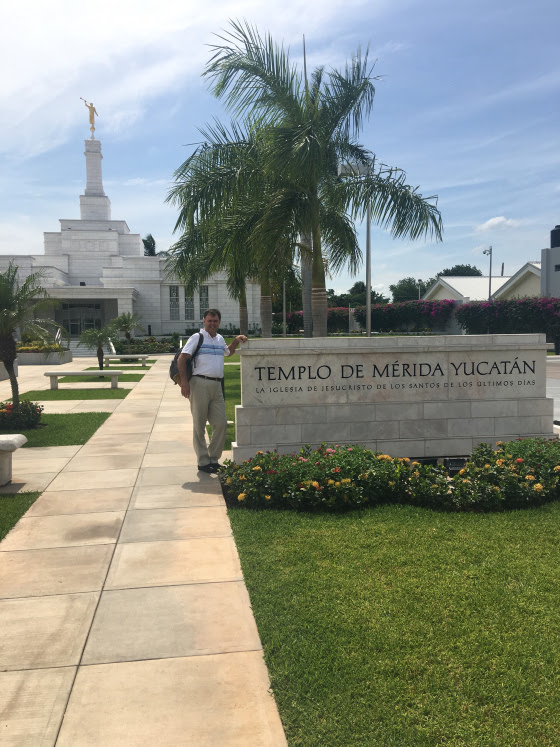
point(182, 366)
point(232, 347)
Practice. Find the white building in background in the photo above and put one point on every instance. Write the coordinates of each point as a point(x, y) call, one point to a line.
point(97, 269)
point(526, 282)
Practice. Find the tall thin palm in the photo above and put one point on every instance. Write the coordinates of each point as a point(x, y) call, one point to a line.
point(19, 309)
point(309, 130)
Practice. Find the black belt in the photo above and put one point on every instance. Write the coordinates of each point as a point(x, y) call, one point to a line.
point(210, 378)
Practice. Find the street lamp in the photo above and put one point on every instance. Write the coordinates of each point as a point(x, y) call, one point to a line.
point(419, 282)
point(489, 252)
point(358, 169)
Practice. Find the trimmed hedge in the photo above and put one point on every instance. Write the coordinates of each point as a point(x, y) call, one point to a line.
point(516, 475)
point(408, 315)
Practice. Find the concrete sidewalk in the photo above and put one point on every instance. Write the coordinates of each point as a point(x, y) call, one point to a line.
point(124, 616)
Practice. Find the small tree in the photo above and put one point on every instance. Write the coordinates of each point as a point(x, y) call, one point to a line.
point(460, 271)
point(96, 339)
point(127, 323)
point(19, 307)
point(407, 289)
point(149, 246)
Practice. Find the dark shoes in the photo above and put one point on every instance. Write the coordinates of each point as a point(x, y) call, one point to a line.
point(210, 469)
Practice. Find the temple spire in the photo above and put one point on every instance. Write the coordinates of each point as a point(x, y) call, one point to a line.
point(94, 204)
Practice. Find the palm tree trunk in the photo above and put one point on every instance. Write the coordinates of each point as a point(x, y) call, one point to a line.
point(100, 357)
point(243, 313)
point(318, 291)
point(8, 355)
point(9, 366)
point(306, 284)
point(266, 308)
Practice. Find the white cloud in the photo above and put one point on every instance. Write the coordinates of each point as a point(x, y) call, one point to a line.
point(140, 51)
point(498, 222)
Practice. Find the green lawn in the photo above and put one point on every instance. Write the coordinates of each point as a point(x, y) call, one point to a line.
point(120, 367)
point(12, 508)
point(48, 395)
point(403, 626)
point(65, 429)
point(98, 379)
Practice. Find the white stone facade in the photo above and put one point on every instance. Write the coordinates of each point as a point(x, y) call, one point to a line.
point(97, 269)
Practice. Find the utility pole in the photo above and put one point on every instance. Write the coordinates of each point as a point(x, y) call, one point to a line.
point(489, 253)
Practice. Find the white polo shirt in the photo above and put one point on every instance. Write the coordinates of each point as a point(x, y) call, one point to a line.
point(209, 360)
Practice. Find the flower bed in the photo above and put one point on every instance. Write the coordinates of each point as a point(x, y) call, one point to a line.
point(26, 415)
point(517, 474)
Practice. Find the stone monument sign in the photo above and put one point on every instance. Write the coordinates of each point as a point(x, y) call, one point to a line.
point(406, 396)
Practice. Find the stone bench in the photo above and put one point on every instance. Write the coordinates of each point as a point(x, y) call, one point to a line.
point(136, 357)
point(54, 376)
point(9, 444)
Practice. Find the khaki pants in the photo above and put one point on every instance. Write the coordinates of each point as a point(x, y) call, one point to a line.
point(207, 404)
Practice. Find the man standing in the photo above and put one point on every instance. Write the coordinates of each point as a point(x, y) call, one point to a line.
point(204, 390)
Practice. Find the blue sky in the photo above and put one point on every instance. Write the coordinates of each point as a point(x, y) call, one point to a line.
point(468, 106)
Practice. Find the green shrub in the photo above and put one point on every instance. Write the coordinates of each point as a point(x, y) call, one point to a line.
point(38, 347)
point(26, 415)
point(346, 477)
point(149, 345)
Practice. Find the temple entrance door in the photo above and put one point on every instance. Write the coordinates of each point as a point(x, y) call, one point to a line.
point(75, 327)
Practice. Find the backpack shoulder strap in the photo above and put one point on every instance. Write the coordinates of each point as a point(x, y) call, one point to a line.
point(200, 341)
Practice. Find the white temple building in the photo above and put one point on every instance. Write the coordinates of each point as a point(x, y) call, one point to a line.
point(97, 269)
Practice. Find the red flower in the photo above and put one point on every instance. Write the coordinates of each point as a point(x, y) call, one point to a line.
point(519, 461)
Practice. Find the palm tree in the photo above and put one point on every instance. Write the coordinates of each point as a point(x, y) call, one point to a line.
point(127, 323)
point(221, 192)
point(19, 307)
point(225, 198)
point(97, 339)
point(308, 132)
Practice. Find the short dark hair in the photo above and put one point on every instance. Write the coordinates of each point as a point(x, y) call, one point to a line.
point(213, 312)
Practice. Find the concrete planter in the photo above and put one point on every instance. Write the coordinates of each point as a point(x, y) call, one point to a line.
point(37, 359)
point(4, 373)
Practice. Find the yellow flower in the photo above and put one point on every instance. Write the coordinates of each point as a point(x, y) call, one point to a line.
point(500, 462)
point(257, 469)
point(486, 466)
point(466, 481)
point(557, 468)
point(241, 497)
point(242, 477)
point(416, 474)
point(434, 486)
point(330, 482)
point(461, 471)
point(538, 487)
point(228, 481)
point(315, 484)
point(415, 464)
point(384, 456)
point(337, 484)
point(267, 497)
point(406, 459)
point(259, 452)
point(499, 443)
point(496, 488)
point(346, 481)
point(529, 477)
